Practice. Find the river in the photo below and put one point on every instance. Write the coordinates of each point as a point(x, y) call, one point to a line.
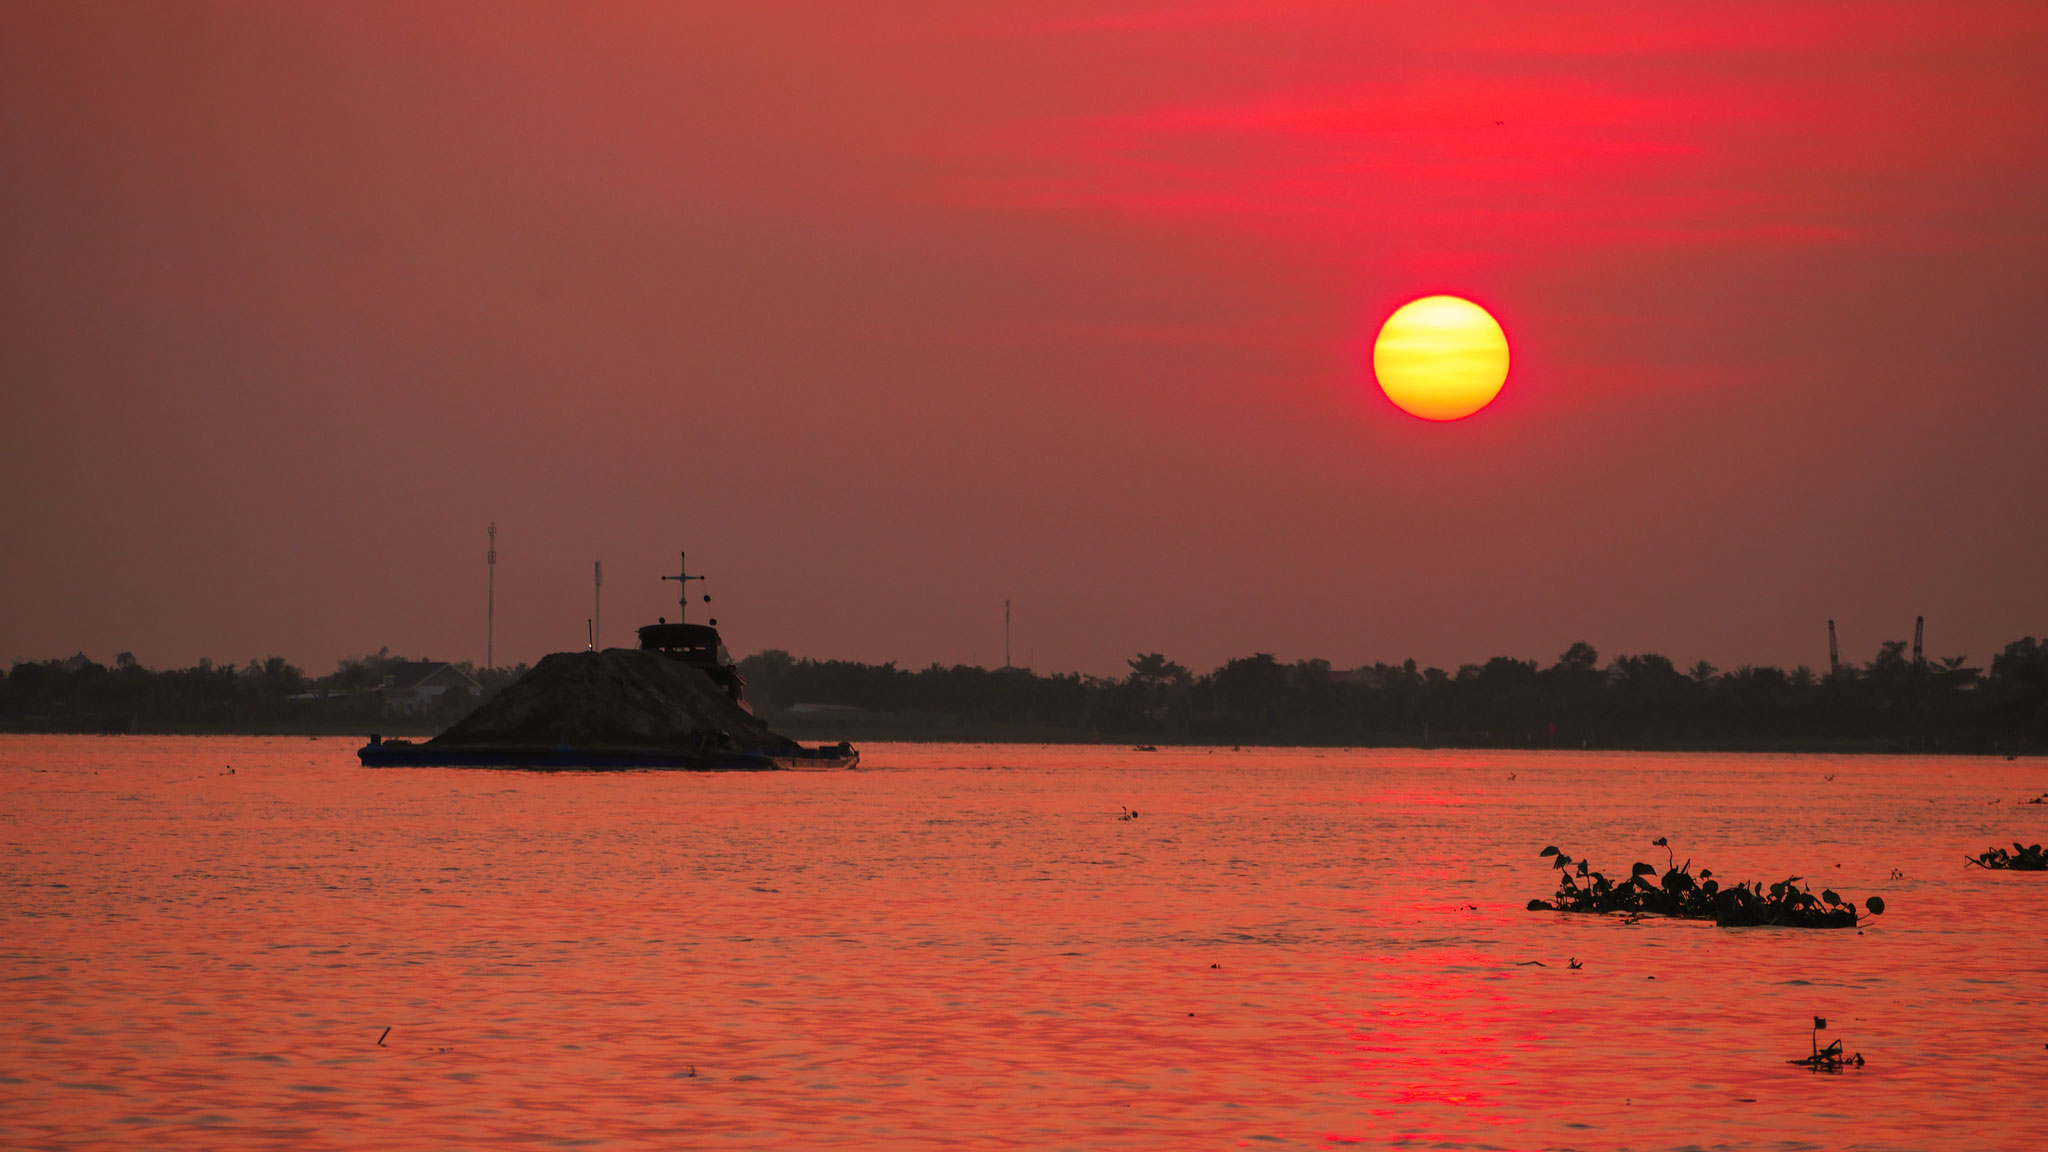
point(971, 946)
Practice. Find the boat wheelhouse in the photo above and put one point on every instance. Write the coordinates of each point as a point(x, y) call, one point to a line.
point(699, 646)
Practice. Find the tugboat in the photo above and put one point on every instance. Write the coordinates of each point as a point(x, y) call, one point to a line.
point(677, 701)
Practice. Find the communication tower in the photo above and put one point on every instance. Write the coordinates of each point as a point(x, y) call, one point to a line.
point(491, 598)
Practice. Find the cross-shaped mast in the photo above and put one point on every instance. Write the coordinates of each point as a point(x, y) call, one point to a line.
point(682, 579)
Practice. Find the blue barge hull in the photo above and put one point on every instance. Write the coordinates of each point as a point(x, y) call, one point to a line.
point(405, 754)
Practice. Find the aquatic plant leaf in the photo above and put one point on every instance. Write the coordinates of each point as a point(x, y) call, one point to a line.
point(1550, 851)
point(1642, 869)
point(1661, 842)
point(1875, 904)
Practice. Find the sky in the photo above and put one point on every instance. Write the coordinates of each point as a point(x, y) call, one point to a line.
point(891, 312)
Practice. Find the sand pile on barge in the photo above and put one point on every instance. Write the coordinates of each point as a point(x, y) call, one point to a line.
point(616, 700)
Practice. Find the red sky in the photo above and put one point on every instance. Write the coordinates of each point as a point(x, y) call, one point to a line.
point(890, 311)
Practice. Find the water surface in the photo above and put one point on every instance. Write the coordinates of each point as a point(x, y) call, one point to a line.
point(965, 946)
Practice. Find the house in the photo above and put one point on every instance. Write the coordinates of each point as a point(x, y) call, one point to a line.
point(416, 687)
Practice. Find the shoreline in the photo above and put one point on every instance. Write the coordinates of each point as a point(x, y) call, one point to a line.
point(1026, 736)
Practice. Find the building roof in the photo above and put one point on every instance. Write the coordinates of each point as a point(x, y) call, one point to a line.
point(405, 675)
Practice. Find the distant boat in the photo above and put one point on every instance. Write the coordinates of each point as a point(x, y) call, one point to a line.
point(678, 701)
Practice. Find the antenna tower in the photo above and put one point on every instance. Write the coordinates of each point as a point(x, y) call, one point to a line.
point(1834, 653)
point(597, 606)
point(491, 599)
point(1006, 633)
point(1919, 628)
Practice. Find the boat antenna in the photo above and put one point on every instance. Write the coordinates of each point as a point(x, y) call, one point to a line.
point(682, 579)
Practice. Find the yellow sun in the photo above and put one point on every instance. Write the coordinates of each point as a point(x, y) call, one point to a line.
point(1441, 358)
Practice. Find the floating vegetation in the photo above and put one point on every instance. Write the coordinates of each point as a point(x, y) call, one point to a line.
point(1830, 1058)
point(1678, 894)
point(2022, 858)
point(2041, 799)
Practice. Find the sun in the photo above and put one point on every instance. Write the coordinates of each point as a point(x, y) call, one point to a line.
point(1441, 358)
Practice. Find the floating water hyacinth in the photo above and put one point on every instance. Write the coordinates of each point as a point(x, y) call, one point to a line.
point(2022, 858)
point(1678, 894)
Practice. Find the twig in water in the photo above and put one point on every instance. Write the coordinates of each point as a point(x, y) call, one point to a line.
point(1830, 1058)
point(380, 1039)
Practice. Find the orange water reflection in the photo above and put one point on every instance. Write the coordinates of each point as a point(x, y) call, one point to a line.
point(963, 947)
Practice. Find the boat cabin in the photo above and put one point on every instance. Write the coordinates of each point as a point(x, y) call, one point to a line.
point(699, 646)
point(696, 644)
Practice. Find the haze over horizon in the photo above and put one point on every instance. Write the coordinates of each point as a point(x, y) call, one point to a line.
point(890, 314)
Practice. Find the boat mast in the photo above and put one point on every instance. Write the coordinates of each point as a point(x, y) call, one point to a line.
point(682, 579)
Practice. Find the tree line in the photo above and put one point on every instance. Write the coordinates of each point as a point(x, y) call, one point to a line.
point(264, 695)
point(1641, 701)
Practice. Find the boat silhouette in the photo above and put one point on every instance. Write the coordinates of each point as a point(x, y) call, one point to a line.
point(676, 701)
